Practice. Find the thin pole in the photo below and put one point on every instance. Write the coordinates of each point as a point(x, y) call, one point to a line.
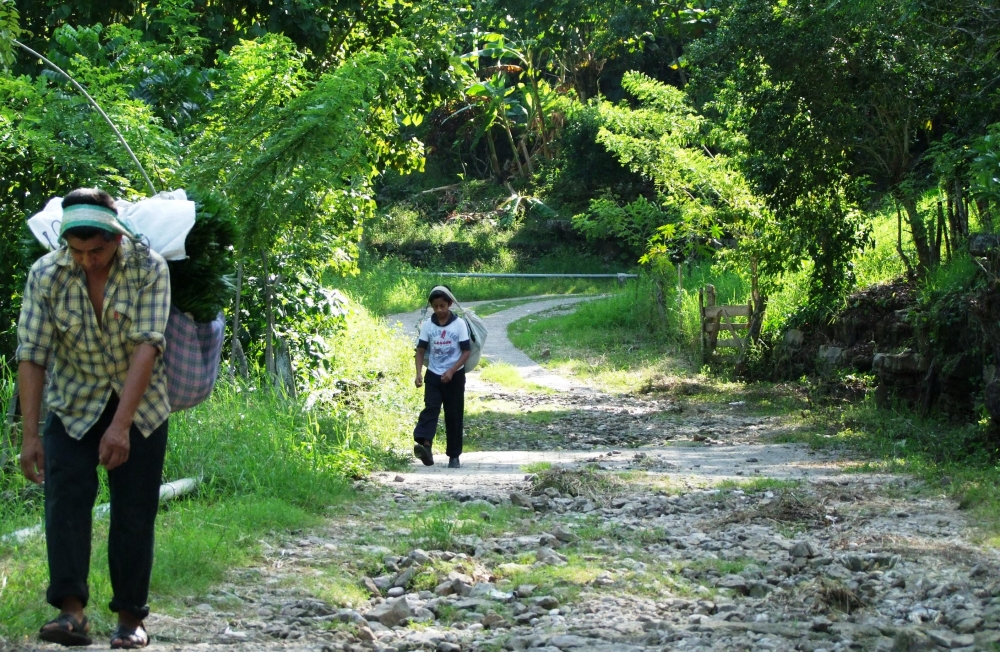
point(93, 103)
point(484, 275)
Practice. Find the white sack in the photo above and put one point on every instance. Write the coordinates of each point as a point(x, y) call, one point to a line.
point(45, 225)
point(163, 222)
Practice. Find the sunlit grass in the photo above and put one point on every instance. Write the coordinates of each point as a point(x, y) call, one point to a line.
point(536, 467)
point(758, 485)
point(507, 376)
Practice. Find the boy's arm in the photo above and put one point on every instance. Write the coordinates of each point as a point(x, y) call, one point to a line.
point(419, 357)
point(423, 342)
point(466, 348)
point(447, 376)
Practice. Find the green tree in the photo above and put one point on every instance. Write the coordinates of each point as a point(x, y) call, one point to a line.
point(838, 105)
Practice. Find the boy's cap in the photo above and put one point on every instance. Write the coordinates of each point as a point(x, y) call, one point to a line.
point(99, 217)
point(446, 291)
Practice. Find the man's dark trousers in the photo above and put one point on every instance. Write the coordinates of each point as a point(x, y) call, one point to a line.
point(451, 395)
point(70, 491)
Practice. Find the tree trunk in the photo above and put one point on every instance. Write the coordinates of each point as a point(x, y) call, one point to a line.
point(938, 236)
point(284, 378)
point(953, 226)
point(918, 229)
point(543, 128)
point(985, 216)
point(759, 306)
point(661, 299)
point(493, 155)
point(513, 149)
point(269, 328)
point(910, 274)
point(236, 320)
point(527, 158)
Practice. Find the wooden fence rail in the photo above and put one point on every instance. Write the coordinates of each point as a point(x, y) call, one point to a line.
point(716, 319)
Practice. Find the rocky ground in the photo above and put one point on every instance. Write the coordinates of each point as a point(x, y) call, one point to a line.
point(588, 521)
point(604, 554)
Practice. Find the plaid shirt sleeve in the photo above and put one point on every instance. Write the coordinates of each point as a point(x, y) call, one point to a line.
point(153, 305)
point(34, 328)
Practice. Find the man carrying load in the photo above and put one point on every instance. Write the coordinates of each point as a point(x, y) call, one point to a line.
point(94, 313)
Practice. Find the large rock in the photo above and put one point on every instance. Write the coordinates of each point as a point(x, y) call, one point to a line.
point(517, 499)
point(391, 613)
point(830, 356)
point(444, 588)
point(803, 549)
point(907, 362)
point(734, 583)
point(983, 244)
point(403, 579)
point(550, 557)
point(565, 535)
point(793, 338)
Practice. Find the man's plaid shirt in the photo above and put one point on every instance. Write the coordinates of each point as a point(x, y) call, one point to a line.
point(58, 325)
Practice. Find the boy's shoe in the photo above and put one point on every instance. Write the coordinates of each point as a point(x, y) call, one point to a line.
point(453, 463)
point(423, 453)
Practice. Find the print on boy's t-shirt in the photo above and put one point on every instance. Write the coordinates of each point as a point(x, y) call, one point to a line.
point(445, 343)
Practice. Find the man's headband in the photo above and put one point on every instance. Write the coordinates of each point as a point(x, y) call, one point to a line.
point(99, 217)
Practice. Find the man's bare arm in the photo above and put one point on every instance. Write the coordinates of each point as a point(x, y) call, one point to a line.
point(30, 383)
point(114, 447)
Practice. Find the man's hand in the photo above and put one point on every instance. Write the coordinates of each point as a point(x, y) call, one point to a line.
point(419, 380)
point(447, 376)
point(114, 448)
point(33, 459)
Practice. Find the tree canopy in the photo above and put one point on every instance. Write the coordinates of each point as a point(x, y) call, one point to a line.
point(775, 127)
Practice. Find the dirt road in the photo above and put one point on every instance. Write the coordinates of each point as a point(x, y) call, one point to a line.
point(588, 521)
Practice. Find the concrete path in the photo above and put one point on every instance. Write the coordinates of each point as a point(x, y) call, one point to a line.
point(499, 347)
point(500, 472)
point(687, 462)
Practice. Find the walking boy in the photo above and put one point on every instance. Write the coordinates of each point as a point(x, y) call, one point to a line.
point(94, 312)
point(445, 338)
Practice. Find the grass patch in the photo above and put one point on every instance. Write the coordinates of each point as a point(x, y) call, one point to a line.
point(507, 376)
point(334, 587)
point(564, 581)
point(587, 482)
point(960, 461)
point(537, 467)
point(493, 307)
point(497, 424)
point(759, 485)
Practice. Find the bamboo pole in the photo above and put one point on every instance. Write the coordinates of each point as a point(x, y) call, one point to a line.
point(97, 107)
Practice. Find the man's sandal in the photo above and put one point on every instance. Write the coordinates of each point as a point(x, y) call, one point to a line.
point(129, 638)
point(68, 631)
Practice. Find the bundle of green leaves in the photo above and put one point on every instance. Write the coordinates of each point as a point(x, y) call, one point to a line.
point(201, 285)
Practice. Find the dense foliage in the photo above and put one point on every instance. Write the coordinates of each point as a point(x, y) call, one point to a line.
point(766, 135)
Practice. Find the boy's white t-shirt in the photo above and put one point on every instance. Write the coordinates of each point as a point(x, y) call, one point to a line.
point(444, 344)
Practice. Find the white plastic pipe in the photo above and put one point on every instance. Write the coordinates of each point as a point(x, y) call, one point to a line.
point(168, 491)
